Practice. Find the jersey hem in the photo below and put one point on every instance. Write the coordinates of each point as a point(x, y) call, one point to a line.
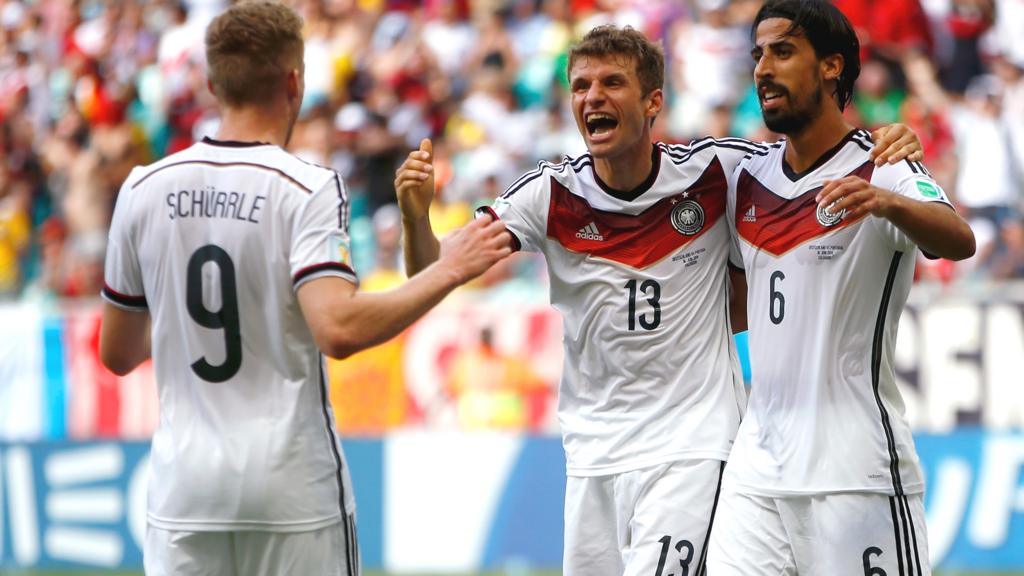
point(618, 468)
point(219, 526)
point(908, 489)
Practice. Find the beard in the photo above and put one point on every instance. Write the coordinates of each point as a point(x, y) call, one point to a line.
point(798, 117)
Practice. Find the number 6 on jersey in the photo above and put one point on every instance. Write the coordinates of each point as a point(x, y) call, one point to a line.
point(776, 302)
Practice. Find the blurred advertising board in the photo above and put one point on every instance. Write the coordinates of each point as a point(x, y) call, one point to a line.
point(482, 365)
point(457, 502)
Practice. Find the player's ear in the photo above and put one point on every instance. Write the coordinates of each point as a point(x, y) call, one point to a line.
point(293, 84)
point(655, 101)
point(832, 66)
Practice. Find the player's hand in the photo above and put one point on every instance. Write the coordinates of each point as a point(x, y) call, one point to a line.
point(855, 195)
point(896, 142)
point(469, 251)
point(414, 182)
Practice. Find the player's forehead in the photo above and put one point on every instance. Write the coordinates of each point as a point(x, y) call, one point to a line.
point(777, 31)
point(595, 66)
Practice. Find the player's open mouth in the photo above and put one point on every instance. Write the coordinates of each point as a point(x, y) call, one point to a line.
point(600, 124)
point(771, 97)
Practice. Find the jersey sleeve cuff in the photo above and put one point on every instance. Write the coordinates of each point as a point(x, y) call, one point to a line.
point(735, 267)
point(517, 245)
point(124, 301)
point(322, 270)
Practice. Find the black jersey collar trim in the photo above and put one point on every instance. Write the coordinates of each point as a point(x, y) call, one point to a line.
point(825, 157)
point(630, 195)
point(232, 143)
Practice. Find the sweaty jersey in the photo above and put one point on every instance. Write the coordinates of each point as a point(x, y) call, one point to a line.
point(824, 298)
point(214, 241)
point(650, 373)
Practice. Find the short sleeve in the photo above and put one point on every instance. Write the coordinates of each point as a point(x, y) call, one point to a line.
point(321, 245)
point(122, 273)
point(524, 210)
point(911, 180)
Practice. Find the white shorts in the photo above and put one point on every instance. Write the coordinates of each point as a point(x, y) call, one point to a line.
point(847, 534)
point(330, 551)
point(649, 522)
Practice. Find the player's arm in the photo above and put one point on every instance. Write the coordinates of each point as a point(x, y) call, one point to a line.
point(124, 338)
point(344, 321)
point(935, 227)
point(125, 327)
point(893, 143)
point(737, 300)
point(414, 184)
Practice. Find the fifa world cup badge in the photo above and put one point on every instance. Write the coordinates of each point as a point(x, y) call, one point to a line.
point(688, 217)
point(340, 251)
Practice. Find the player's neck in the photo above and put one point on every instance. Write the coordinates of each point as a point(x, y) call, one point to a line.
point(627, 171)
point(804, 148)
point(253, 124)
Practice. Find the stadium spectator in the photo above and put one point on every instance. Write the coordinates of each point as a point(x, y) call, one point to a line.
point(65, 64)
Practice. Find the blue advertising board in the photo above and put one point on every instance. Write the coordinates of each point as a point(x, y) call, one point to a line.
point(82, 505)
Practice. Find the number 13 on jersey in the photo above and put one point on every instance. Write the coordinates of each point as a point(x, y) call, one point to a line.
point(652, 292)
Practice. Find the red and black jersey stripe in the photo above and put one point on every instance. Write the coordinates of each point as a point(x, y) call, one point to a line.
point(637, 241)
point(780, 224)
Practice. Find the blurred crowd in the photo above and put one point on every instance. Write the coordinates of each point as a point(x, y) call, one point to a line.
point(90, 88)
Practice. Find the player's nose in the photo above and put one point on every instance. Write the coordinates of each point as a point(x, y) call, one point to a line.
point(763, 68)
point(594, 93)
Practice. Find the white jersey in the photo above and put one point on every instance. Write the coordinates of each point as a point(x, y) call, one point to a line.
point(650, 372)
point(824, 300)
point(214, 241)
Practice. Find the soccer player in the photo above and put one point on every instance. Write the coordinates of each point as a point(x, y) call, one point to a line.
point(636, 245)
point(824, 478)
point(239, 253)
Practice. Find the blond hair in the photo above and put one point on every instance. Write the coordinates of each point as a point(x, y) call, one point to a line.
point(249, 49)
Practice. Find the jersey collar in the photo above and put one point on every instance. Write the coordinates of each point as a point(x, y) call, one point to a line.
point(630, 195)
point(232, 143)
point(825, 157)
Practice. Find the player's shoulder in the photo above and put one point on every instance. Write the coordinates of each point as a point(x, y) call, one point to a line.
point(764, 159)
point(728, 151)
point(567, 172)
point(292, 171)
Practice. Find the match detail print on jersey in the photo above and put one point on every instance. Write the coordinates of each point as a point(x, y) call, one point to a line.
point(642, 240)
point(776, 225)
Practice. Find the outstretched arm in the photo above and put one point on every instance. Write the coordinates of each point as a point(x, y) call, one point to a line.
point(344, 321)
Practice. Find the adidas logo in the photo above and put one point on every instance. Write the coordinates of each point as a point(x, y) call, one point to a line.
point(590, 232)
point(750, 216)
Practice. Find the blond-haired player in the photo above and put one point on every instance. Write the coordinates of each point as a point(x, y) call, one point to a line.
point(229, 262)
